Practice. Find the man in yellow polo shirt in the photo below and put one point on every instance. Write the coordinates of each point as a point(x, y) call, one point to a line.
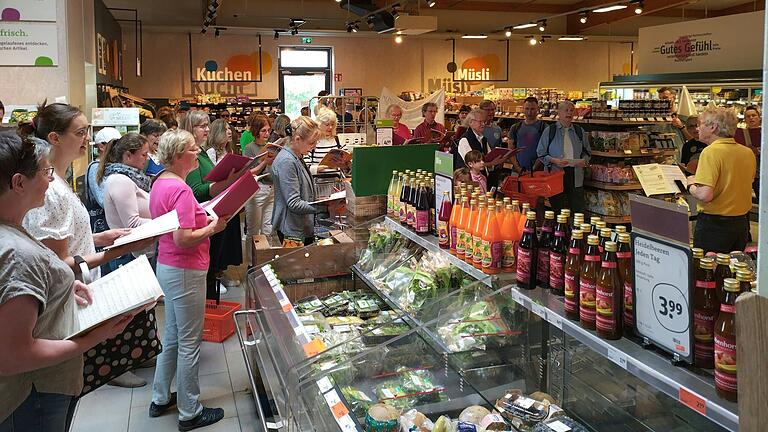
point(722, 184)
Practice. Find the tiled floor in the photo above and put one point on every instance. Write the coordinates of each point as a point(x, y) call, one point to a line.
point(223, 383)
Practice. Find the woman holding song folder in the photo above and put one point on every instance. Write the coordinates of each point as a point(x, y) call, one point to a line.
point(42, 374)
point(182, 264)
point(258, 210)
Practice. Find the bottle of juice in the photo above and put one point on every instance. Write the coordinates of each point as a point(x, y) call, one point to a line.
point(526, 253)
point(605, 236)
point(572, 273)
point(477, 235)
point(493, 243)
point(588, 283)
point(745, 278)
point(422, 210)
point(443, 221)
point(726, 383)
point(594, 230)
point(452, 225)
point(509, 235)
point(567, 230)
point(705, 309)
point(469, 245)
point(405, 194)
point(545, 242)
point(391, 193)
point(618, 229)
point(557, 256)
point(411, 215)
point(516, 215)
point(578, 220)
point(624, 259)
point(698, 254)
point(585, 229)
point(722, 272)
point(523, 220)
point(461, 227)
point(609, 318)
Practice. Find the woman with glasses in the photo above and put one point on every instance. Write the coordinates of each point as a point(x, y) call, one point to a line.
point(689, 156)
point(42, 373)
point(226, 246)
point(752, 138)
point(400, 131)
point(151, 129)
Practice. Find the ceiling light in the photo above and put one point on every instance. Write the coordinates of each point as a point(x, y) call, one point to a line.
point(431, 3)
point(524, 26)
point(610, 8)
point(639, 8)
point(398, 39)
point(508, 33)
point(542, 25)
point(477, 36)
point(532, 41)
point(217, 33)
point(571, 38)
point(542, 40)
point(583, 18)
point(338, 1)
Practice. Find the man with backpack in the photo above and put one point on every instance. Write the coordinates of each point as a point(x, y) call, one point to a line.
point(564, 146)
point(525, 136)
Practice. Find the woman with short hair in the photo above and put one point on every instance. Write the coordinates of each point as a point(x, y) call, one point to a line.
point(278, 128)
point(327, 122)
point(41, 374)
point(395, 112)
point(182, 264)
point(258, 209)
point(250, 134)
point(217, 145)
point(151, 129)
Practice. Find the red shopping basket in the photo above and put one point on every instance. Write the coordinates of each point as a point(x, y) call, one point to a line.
point(528, 188)
point(219, 324)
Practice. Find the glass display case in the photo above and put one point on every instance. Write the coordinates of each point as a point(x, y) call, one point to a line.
point(419, 329)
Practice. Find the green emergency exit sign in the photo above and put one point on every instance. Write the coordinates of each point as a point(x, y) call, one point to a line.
point(306, 40)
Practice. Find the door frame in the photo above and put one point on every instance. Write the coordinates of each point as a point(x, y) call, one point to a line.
point(282, 71)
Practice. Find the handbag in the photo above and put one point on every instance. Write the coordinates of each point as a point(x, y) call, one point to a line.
point(96, 213)
point(138, 344)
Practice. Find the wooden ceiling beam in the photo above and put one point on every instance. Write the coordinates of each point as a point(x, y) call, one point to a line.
point(742, 8)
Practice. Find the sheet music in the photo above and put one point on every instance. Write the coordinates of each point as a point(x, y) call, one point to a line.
point(164, 224)
point(125, 289)
point(334, 196)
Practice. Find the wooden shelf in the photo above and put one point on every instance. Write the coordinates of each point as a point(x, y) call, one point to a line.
point(612, 219)
point(613, 186)
point(625, 154)
point(607, 122)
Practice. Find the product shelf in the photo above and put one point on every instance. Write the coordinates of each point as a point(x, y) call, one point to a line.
point(613, 186)
point(691, 389)
point(633, 154)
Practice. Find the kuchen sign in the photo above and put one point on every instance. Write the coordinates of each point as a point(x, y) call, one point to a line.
point(733, 42)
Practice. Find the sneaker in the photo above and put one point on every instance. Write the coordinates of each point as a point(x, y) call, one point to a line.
point(156, 410)
point(128, 380)
point(208, 417)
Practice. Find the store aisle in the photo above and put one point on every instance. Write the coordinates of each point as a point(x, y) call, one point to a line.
point(223, 382)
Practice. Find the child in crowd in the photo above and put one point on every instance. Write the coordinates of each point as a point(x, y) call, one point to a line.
point(476, 164)
point(461, 175)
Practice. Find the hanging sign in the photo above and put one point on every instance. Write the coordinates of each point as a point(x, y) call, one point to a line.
point(662, 298)
point(115, 117)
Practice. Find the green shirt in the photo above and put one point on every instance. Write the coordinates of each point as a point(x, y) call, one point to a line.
point(245, 139)
point(201, 188)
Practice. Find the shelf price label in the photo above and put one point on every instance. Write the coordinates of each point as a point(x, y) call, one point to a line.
point(314, 347)
point(539, 310)
point(617, 357)
point(692, 400)
point(324, 384)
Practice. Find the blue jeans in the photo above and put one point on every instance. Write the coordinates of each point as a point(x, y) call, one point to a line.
point(184, 314)
point(41, 412)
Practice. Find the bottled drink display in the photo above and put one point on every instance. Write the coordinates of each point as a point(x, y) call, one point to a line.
point(609, 297)
point(705, 308)
point(455, 210)
point(405, 194)
point(493, 243)
point(392, 192)
point(745, 278)
point(545, 242)
point(624, 259)
point(461, 226)
point(557, 256)
point(431, 204)
point(443, 221)
point(526, 251)
point(726, 383)
point(523, 219)
point(411, 216)
point(469, 245)
point(477, 235)
point(698, 254)
point(572, 273)
point(422, 209)
point(510, 236)
point(722, 272)
point(578, 220)
point(594, 229)
point(605, 236)
point(618, 229)
point(588, 283)
point(568, 221)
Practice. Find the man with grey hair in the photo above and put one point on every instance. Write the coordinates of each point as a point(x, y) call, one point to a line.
point(564, 146)
point(722, 184)
point(429, 131)
point(491, 130)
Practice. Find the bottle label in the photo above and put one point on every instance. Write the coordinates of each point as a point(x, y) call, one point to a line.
point(592, 258)
point(629, 316)
point(477, 250)
point(725, 363)
point(509, 255)
point(559, 234)
point(403, 214)
point(432, 219)
point(623, 255)
point(422, 221)
point(460, 245)
point(608, 264)
point(705, 284)
point(542, 270)
point(571, 291)
point(523, 265)
point(606, 321)
point(587, 300)
point(442, 232)
point(493, 254)
point(410, 216)
point(546, 229)
point(454, 237)
point(574, 251)
point(703, 333)
point(528, 230)
point(727, 308)
point(556, 262)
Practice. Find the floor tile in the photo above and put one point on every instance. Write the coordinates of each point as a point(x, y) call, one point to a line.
point(227, 425)
point(212, 358)
point(105, 409)
point(237, 372)
point(216, 392)
point(142, 396)
point(246, 412)
point(141, 422)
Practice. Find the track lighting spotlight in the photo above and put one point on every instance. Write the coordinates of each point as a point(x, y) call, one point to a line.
point(508, 33)
point(583, 18)
point(431, 3)
point(639, 8)
point(532, 41)
point(542, 25)
point(398, 39)
point(277, 34)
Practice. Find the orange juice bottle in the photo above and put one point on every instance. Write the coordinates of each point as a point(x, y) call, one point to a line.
point(493, 243)
point(468, 229)
point(477, 235)
point(509, 235)
point(521, 221)
point(516, 214)
point(461, 227)
point(453, 221)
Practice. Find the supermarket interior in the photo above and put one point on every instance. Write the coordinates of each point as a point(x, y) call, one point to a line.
point(382, 215)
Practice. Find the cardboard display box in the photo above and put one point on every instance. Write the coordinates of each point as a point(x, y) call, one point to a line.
point(312, 262)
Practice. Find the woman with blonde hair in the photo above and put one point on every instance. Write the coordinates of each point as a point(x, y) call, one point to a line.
point(217, 145)
point(327, 122)
point(278, 128)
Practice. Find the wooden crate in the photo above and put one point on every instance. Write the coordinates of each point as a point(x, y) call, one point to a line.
point(299, 289)
point(373, 205)
point(312, 262)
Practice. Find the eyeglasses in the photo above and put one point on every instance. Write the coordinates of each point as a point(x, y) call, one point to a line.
point(48, 171)
point(82, 132)
point(203, 126)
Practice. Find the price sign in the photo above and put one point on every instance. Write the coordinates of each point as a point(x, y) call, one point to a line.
point(313, 348)
point(351, 139)
point(617, 357)
point(662, 297)
point(539, 310)
point(692, 400)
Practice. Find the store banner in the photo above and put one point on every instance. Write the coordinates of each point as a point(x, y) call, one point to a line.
point(411, 110)
point(733, 42)
point(28, 44)
point(28, 10)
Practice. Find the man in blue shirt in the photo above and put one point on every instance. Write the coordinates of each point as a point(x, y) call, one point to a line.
point(565, 146)
point(525, 135)
point(491, 131)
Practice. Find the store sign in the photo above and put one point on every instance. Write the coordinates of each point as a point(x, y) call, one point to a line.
point(733, 42)
point(115, 117)
point(28, 10)
point(662, 300)
point(28, 44)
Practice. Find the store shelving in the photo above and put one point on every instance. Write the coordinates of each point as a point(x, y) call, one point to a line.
point(613, 186)
point(692, 389)
point(633, 154)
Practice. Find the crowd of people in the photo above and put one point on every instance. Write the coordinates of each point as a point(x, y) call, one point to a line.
point(51, 234)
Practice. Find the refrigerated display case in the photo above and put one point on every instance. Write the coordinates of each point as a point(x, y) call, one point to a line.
point(437, 335)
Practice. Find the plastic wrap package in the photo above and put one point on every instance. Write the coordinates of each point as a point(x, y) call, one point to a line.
point(616, 173)
point(607, 203)
point(472, 330)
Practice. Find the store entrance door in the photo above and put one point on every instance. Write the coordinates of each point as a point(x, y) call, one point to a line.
point(303, 73)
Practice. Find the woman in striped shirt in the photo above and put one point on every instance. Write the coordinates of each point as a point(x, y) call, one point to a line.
point(327, 120)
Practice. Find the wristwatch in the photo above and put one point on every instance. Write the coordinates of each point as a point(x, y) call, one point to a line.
point(81, 264)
